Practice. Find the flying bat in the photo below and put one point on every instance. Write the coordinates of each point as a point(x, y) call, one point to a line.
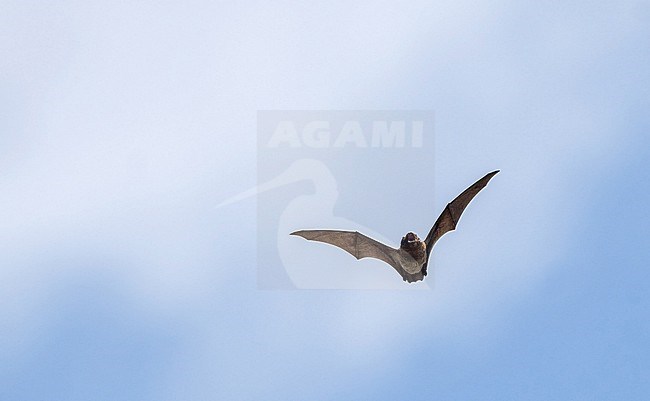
point(411, 258)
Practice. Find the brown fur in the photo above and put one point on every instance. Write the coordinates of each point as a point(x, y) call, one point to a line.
point(418, 250)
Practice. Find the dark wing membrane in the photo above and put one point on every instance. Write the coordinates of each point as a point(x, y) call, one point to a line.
point(355, 243)
point(359, 246)
point(450, 216)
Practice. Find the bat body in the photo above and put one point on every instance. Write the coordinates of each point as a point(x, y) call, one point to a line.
point(410, 260)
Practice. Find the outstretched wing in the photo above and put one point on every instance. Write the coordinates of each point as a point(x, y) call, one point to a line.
point(450, 216)
point(359, 246)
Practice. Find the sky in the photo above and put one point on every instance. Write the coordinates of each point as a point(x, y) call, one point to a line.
point(124, 124)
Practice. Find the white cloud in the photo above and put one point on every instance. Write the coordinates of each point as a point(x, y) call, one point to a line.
point(132, 122)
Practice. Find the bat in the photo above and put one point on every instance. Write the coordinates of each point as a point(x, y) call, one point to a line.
point(411, 258)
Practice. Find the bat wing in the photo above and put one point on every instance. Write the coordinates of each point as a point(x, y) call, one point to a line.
point(360, 246)
point(450, 216)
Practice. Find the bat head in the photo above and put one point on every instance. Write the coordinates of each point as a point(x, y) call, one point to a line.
point(410, 240)
point(412, 244)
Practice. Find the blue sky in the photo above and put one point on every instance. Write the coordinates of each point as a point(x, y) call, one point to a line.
point(123, 125)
